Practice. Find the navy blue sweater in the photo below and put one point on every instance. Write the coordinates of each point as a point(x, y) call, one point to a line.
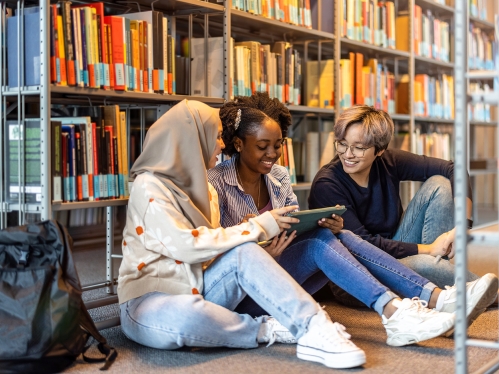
point(374, 212)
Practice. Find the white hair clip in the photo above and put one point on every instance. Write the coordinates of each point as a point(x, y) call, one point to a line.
point(238, 119)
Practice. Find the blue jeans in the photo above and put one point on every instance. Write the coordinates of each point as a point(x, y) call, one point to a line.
point(429, 214)
point(164, 321)
point(355, 265)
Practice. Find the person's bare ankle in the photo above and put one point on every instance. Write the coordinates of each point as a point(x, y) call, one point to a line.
point(434, 298)
point(390, 308)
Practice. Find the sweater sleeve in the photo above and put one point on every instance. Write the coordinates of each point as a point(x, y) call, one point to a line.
point(326, 193)
point(412, 167)
point(163, 229)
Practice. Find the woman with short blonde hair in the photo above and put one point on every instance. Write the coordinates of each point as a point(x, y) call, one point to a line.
point(365, 176)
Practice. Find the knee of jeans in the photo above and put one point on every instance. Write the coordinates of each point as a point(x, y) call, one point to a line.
point(325, 235)
point(440, 184)
point(243, 250)
point(421, 264)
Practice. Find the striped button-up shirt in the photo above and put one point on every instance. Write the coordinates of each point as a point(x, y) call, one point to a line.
point(235, 204)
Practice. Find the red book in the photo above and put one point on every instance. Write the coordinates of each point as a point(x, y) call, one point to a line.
point(53, 43)
point(54, 60)
point(95, 150)
point(117, 43)
point(79, 182)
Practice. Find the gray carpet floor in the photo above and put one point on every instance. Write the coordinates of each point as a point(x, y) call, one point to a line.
point(433, 356)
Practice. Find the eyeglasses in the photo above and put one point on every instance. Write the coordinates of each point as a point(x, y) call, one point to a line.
point(356, 151)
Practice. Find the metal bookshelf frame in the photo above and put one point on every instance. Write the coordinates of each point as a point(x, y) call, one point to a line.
point(460, 188)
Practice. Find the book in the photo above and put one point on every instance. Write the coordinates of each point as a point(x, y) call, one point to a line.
point(319, 90)
point(116, 27)
point(311, 156)
point(56, 165)
point(31, 49)
point(22, 144)
point(212, 83)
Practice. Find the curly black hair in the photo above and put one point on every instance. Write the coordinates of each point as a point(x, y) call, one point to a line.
point(252, 108)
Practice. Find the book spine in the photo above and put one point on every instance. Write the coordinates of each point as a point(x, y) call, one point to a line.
point(84, 163)
point(57, 189)
point(79, 176)
point(96, 176)
point(68, 43)
point(65, 166)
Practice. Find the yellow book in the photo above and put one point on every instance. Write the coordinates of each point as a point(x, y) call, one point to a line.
point(345, 84)
point(319, 91)
point(124, 152)
point(402, 42)
point(134, 37)
point(62, 54)
point(450, 80)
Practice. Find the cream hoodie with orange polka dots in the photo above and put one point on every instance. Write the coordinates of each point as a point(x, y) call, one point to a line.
point(163, 252)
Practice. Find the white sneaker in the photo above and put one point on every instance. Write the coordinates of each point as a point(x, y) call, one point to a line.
point(328, 343)
point(272, 331)
point(413, 322)
point(479, 295)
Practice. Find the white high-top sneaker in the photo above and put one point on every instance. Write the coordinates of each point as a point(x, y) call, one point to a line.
point(413, 322)
point(328, 343)
point(479, 295)
point(272, 331)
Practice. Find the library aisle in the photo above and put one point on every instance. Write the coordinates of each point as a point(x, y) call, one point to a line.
point(82, 82)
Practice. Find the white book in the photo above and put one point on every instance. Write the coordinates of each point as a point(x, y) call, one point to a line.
point(312, 156)
point(214, 79)
point(327, 150)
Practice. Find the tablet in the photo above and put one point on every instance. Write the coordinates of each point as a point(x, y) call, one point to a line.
point(308, 218)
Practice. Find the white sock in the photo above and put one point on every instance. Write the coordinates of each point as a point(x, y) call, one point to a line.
point(440, 300)
point(262, 333)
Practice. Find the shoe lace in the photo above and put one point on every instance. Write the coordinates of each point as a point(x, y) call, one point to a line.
point(421, 306)
point(285, 336)
point(337, 334)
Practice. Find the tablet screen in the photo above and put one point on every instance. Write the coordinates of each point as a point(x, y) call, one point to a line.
point(309, 218)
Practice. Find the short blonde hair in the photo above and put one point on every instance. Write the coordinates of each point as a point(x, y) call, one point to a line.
point(377, 125)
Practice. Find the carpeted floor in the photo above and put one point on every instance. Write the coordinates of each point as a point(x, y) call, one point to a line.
point(434, 356)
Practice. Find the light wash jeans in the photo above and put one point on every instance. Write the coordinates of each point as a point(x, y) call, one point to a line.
point(358, 267)
point(164, 321)
point(429, 214)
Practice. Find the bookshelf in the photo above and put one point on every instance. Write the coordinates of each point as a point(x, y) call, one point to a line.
point(466, 137)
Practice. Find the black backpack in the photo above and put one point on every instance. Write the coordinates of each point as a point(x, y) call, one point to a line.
point(44, 325)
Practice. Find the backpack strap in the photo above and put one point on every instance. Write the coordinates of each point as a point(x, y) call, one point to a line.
point(88, 325)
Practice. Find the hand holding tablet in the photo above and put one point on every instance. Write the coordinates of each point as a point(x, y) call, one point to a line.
point(309, 220)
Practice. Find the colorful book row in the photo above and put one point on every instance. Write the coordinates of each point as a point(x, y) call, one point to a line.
point(131, 52)
point(90, 156)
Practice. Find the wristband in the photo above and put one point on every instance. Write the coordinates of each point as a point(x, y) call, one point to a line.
point(469, 223)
